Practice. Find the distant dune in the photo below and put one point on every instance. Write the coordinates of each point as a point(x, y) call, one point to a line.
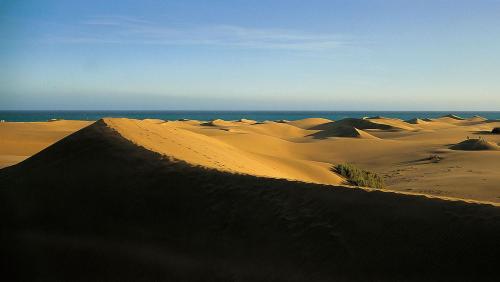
point(453, 117)
point(357, 123)
point(106, 203)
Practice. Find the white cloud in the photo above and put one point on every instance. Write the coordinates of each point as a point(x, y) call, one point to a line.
point(126, 30)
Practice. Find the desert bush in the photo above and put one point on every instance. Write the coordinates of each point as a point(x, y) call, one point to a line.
point(359, 177)
point(435, 158)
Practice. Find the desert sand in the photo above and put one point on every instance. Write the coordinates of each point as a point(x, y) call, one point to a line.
point(447, 157)
point(240, 201)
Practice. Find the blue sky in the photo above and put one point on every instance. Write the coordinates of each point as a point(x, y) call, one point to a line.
point(253, 55)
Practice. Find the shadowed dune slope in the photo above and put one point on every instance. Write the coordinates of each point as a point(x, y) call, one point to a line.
point(95, 206)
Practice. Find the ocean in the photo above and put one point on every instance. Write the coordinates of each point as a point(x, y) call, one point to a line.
point(24, 116)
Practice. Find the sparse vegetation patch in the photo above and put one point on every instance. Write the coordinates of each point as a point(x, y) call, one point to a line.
point(359, 177)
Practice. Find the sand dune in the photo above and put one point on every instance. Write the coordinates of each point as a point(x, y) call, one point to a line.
point(291, 151)
point(475, 145)
point(357, 123)
point(203, 150)
point(343, 131)
point(477, 118)
point(309, 123)
point(397, 124)
point(416, 121)
point(105, 204)
point(453, 117)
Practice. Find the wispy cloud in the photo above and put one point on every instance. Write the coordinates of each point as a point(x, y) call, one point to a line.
point(127, 30)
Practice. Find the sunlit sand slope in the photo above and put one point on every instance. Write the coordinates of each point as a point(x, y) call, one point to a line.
point(208, 151)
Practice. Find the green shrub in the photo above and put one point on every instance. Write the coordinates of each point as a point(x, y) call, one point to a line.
point(359, 177)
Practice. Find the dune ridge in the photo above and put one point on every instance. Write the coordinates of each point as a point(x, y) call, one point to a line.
point(106, 208)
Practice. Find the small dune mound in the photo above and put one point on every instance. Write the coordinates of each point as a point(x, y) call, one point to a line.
point(309, 123)
point(395, 123)
point(343, 131)
point(218, 122)
point(476, 145)
point(416, 121)
point(453, 117)
point(477, 118)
